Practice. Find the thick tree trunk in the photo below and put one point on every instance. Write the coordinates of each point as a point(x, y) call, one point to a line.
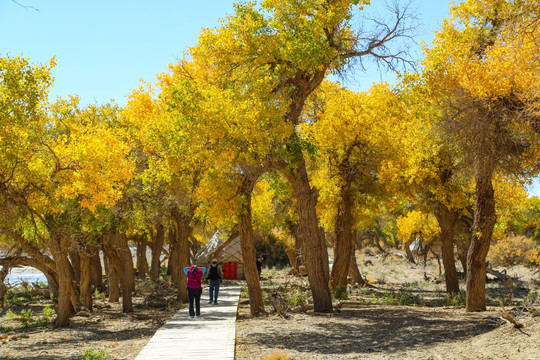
point(316, 253)
point(86, 279)
point(126, 258)
point(447, 223)
point(142, 262)
point(344, 238)
point(482, 231)
point(249, 255)
point(157, 244)
point(112, 279)
point(59, 246)
point(298, 88)
point(184, 232)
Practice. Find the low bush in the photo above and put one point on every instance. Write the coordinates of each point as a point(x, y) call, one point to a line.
point(277, 356)
point(94, 354)
point(340, 292)
point(297, 297)
point(515, 250)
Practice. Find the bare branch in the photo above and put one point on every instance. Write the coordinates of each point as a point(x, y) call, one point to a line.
point(26, 7)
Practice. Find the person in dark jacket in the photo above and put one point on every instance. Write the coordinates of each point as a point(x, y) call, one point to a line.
point(259, 261)
point(215, 275)
point(194, 288)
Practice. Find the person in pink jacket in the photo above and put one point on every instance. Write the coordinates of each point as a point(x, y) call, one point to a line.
point(194, 288)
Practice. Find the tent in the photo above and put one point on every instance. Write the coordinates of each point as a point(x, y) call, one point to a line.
point(230, 256)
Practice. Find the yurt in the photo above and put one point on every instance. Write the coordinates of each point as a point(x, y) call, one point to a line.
point(230, 256)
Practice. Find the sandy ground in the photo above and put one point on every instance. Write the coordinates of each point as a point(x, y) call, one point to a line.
point(364, 328)
point(388, 332)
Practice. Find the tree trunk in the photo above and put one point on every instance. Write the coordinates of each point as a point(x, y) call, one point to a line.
point(354, 272)
point(248, 249)
point(59, 246)
point(447, 223)
point(41, 262)
point(97, 269)
point(112, 279)
point(86, 279)
point(142, 262)
point(408, 252)
point(482, 231)
point(377, 240)
point(463, 249)
point(75, 263)
point(127, 260)
point(3, 288)
point(157, 244)
point(173, 256)
point(183, 233)
point(315, 250)
point(344, 238)
point(115, 245)
point(293, 259)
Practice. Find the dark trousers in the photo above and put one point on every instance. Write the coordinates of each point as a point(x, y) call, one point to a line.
point(194, 296)
point(213, 290)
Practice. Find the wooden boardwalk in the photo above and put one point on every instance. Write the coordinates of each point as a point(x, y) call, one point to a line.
point(209, 336)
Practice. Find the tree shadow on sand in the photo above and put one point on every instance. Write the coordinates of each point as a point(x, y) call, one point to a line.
point(377, 330)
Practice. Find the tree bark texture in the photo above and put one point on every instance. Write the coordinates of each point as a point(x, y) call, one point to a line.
point(174, 257)
point(75, 263)
point(59, 246)
point(97, 269)
point(115, 245)
point(112, 279)
point(249, 255)
point(142, 262)
point(298, 88)
point(183, 233)
point(447, 223)
point(157, 244)
point(344, 238)
point(482, 231)
point(316, 253)
point(354, 271)
point(85, 264)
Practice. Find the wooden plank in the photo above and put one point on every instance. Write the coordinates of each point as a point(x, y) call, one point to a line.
point(209, 336)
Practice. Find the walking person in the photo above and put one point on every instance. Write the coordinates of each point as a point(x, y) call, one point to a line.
point(215, 275)
point(194, 288)
point(259, 261)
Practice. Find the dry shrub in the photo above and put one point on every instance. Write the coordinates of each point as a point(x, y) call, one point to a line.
point(277, 356)
point(515, 250)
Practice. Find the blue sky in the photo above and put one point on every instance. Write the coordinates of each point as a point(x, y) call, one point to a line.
point(104, 47)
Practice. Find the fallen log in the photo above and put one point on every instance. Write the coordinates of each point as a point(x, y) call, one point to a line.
point(507, 280)
point(508, 317)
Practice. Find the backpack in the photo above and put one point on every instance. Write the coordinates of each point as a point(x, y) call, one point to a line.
point(213, 273)
point(194, 278)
